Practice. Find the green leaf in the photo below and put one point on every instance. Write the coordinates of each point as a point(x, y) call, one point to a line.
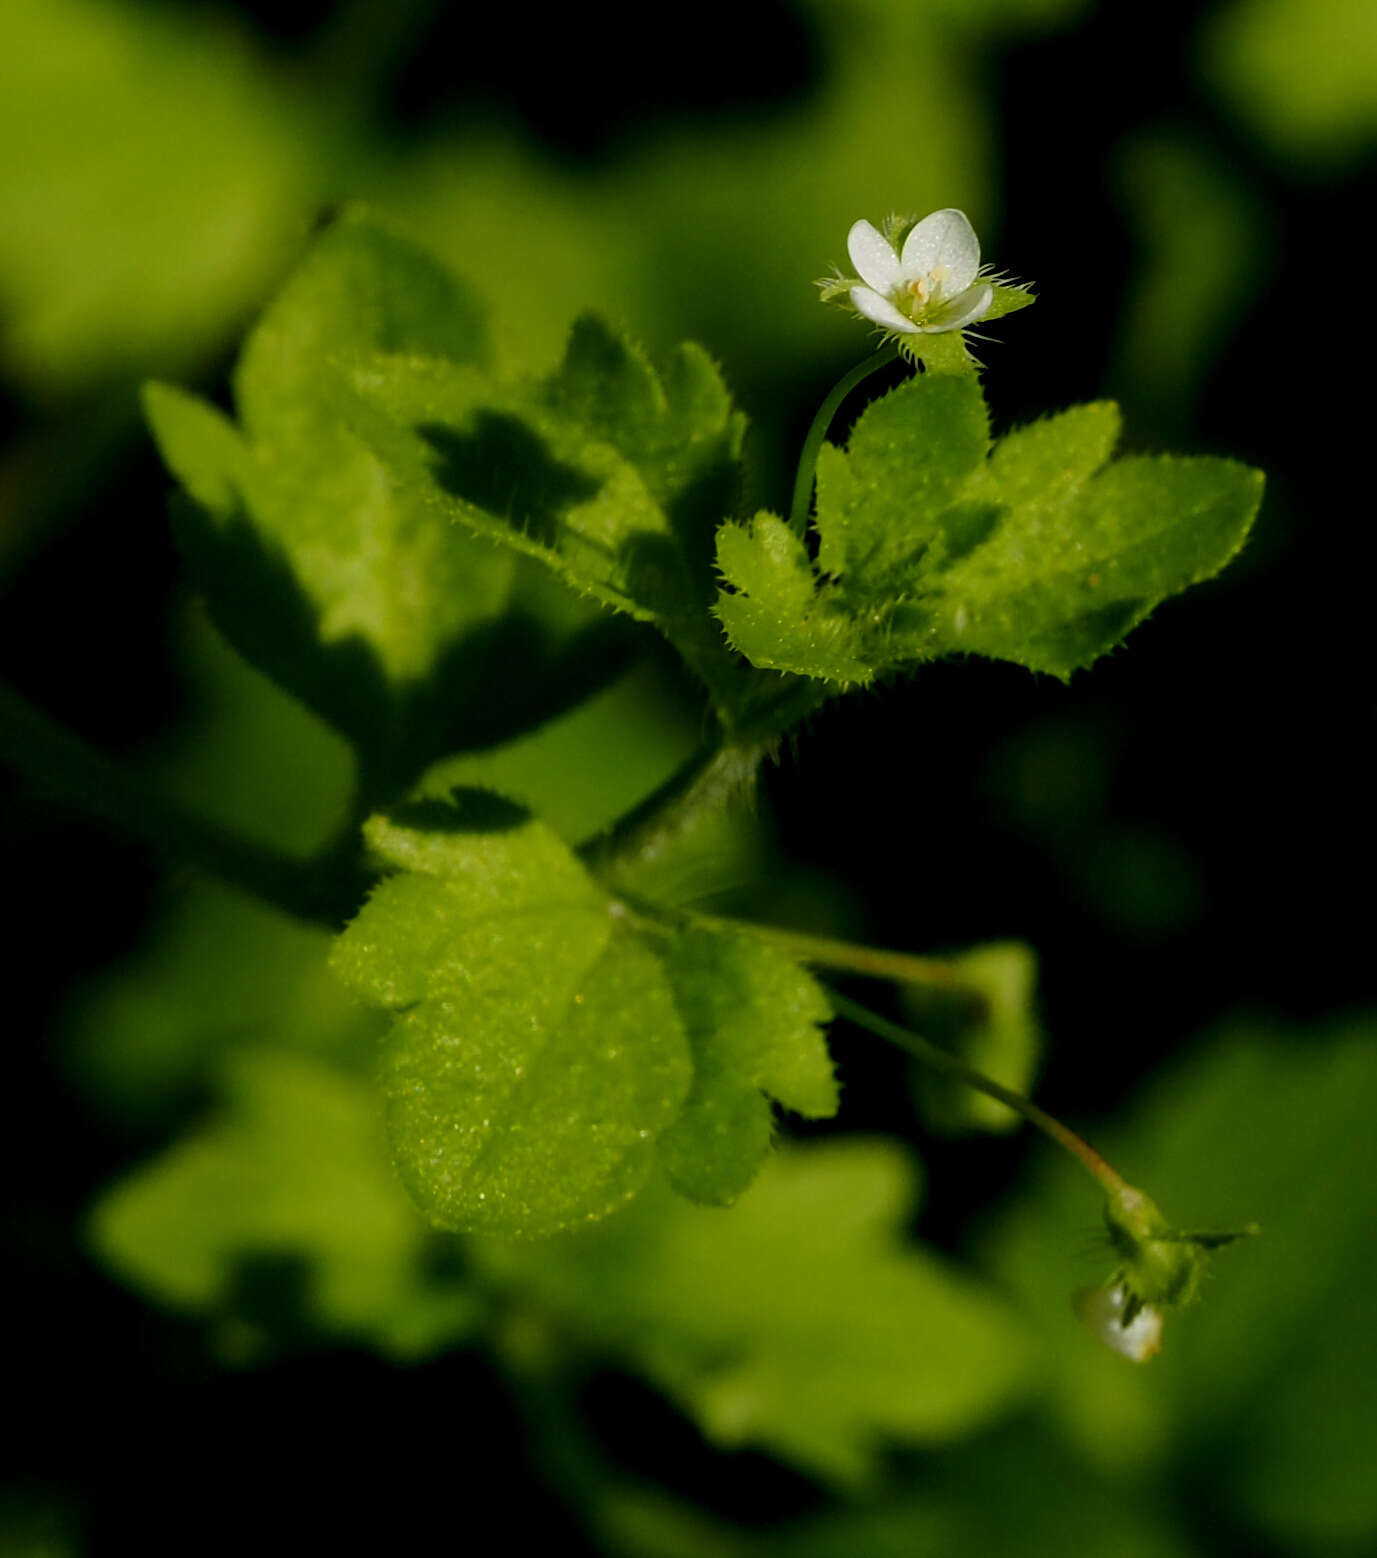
point(775, 613)
point(537, 1052)
point(294, 1169)
point(351, 593)
point(754, 1019)
point(999, 1036)
point(612, 476)
point(801, 1322)
point(880, 502)
point(1042, 553)
point(1068, 572)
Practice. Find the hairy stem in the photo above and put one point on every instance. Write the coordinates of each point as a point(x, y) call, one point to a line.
point(1107, 1177)
point(808, 458)
point(327, 888)
point(702, 785)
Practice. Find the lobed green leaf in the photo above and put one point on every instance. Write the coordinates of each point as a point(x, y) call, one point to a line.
point(544, 1047)
point(292, 1170)
point(754, 1020)
point(1044, 552)
point(348, 590)
point(803, 1323)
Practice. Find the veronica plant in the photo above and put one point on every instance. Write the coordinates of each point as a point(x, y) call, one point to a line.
point(442, 561)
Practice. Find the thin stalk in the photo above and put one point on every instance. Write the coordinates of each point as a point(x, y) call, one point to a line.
point(808, 458)
point(849, 957)
point(1107, 1177)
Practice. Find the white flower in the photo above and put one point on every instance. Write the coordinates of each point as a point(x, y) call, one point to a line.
point(1103, 1310)
point(927, 288)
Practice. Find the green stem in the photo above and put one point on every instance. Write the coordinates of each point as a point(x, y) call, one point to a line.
point(817, 431)
point(903, 968)
point(1108, 1178)
point(703, 784)
point(326, 889)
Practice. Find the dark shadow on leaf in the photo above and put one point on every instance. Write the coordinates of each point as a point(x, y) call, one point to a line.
point(271, 1292)
point(257, 602)
point(967, 526)
point(465, 810)
point(695, 516)
point(501, 466)
point(491, 683)
point(1095, 632)
point(653, 568)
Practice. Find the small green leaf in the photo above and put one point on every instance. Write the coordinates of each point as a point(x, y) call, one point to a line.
point(754, 1019)
point(776, 613)
point(537, 1052)
point(293, 1169)
point(879, 503)
point(800, 1322)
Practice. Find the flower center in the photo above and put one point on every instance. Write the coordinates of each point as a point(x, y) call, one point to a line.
point(926, 291)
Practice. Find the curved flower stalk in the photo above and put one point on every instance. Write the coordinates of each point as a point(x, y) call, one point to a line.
point(921, 278)
point(1158, 1266)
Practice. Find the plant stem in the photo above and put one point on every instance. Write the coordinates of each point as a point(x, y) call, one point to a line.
point(808, 458)
point(1108, 1178)
point(878, 962)
point(702, 785)
point(326, 889)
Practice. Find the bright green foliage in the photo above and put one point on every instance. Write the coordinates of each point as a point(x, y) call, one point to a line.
point(293, 1171)
point(754, 1019)
point(543, 1043)
point(1042, 553)
point(800, 1322)
point(780, 617)
point(880, 503)
point(349, 592)
point(614, 477)
point(997, 1034)
point(537, 1052)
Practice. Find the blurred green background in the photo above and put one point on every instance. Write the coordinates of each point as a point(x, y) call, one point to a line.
point(226, 1325)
